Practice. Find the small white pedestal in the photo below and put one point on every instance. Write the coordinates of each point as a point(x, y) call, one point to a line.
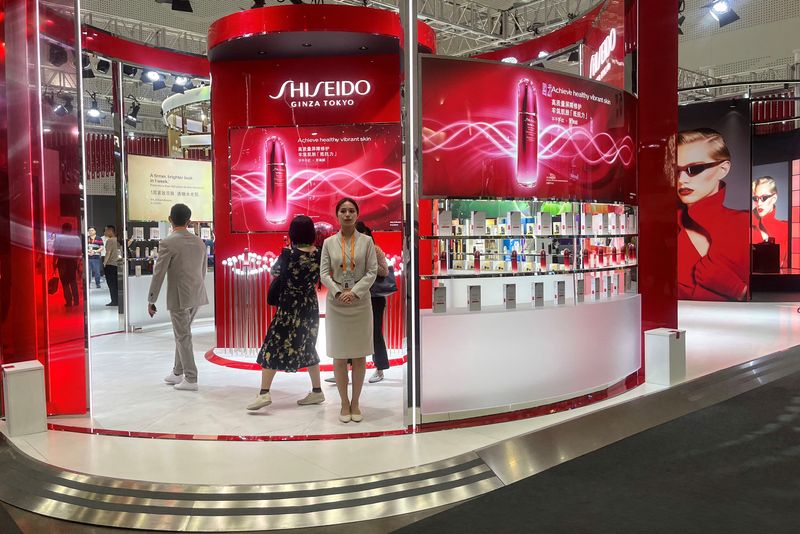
point(665, 356)
point(23, 395)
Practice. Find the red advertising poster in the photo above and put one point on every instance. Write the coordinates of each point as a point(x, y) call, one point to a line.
point(280, 172)
point(498, 130)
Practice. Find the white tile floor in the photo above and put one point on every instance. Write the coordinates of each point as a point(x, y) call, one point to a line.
point(104, 319)
point(719, 335)
point(129, 393)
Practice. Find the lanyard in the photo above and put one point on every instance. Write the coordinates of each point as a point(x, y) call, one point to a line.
point(352, 254)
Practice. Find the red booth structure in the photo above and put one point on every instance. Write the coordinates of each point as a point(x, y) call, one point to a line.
point(316, 91)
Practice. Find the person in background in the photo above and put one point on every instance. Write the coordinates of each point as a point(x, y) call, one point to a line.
point(348, 268)
point(713, 258)
point(110, 261)
point(379, 355)
point(764, 224)
point(67, 253)
point(95, 251)
point(290, 343)
point(182, 261)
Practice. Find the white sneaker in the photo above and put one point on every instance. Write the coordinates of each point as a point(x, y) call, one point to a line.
point(312, 398)
point(260, 402)
point(172, 379)
point(186, 386)
point(377, 376)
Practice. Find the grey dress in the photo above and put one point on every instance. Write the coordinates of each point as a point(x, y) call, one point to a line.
point(348, 327)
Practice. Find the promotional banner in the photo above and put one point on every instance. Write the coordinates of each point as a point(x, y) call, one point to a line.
point(277, 173)
point(499, 130)
point(769, 217)
point(713, 199)
point(155, 184)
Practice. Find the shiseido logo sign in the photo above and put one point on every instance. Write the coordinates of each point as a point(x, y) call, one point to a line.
point(600, 57)
point(329, 93)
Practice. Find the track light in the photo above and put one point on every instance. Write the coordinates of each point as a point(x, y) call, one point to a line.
point(93, 114)
point(132, 118)
point(150, 76)
point(574, 57)
point(181, 84)
point(103, 66)
point(509, 59)
point(258, 3)
point(86, 71)
point(57, 55)
point(543, 54)
point(178, 5)
point(722, 12)
point(65, 108)
point(129, 70)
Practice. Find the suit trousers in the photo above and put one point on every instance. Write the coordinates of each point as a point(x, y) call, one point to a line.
point(111, 280)
point(184, 352)
point(380, 357)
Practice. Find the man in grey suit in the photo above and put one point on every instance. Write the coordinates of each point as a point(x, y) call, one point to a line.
point(182, 260)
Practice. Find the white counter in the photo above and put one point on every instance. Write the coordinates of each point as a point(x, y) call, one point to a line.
point(497, 360)
point(139, 286)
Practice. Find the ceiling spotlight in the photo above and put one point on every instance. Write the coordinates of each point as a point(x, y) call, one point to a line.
point(57, 55)
point(178, 5)
point(94, 114)
point(129, 70)
point(159, 84)
point(722, 12)
point(181, 84)
point(86, 62)
point(66, 108)
point(150, 76)
point(543, 54)
point(258, 3)
point(574, 57)
point(103, 66)
point(509, 59)
point(132, 118)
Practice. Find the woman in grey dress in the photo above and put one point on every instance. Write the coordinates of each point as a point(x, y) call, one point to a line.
point(348, 268)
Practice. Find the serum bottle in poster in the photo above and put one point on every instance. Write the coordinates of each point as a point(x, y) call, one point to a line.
point(276, 193)
point(527, 134)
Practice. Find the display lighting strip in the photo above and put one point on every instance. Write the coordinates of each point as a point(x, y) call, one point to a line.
point(246, 280)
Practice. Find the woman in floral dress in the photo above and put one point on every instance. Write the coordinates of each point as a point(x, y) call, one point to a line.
point(290, 343)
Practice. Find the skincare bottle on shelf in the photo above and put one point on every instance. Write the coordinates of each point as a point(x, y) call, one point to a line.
point(613, 255)
point(476, 259)
point(542, 260)
point(567, 259)
point(514, 261)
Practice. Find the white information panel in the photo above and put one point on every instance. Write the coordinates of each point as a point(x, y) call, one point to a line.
point(498, 360)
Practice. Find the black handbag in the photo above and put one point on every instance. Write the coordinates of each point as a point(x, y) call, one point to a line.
point(384, 285)
point(52, 285)
point(279, 282)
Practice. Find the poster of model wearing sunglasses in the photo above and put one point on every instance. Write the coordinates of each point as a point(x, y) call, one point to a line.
point(713, 198)
point(770, 212)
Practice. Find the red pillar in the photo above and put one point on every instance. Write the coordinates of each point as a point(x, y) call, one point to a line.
point(657, 76)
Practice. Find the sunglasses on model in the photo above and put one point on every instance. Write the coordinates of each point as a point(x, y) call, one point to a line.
point(696, 168)
point(763, 198)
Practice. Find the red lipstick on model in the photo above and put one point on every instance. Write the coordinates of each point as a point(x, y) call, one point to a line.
point(685, 191)
point(275, 172)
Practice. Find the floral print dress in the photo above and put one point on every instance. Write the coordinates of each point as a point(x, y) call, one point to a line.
point(290, 343)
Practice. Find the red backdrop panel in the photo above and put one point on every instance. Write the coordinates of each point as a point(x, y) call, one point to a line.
point(242, 91)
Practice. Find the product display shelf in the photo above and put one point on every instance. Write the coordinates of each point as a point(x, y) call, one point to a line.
point(525, 236)
point(463, 275)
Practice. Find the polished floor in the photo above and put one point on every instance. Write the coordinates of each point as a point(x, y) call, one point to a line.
point(719, 335)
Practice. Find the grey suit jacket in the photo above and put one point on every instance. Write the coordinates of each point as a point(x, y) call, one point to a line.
point(182, 260)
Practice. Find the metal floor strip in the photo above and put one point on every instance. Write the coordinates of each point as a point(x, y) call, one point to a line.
point(54, 492)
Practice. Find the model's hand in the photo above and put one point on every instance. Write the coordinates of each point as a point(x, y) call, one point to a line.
point(716, 276)
point(151, 309)
point(348, 297)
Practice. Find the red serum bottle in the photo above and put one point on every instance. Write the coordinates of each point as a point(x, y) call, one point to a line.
point(276, 182)
point(527, 134)
point(476, 259)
